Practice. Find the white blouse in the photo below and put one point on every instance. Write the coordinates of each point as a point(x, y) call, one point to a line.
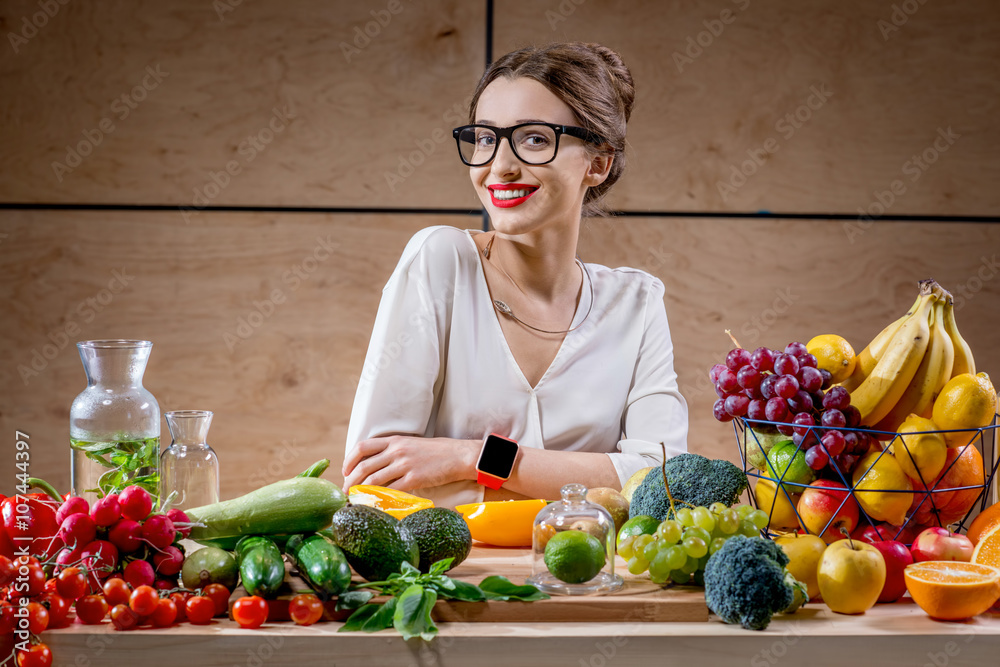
point(438, 365)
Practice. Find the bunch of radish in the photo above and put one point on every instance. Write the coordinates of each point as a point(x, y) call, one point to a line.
point(120, 534)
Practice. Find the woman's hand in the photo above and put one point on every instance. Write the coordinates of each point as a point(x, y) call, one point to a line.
point(407, 462)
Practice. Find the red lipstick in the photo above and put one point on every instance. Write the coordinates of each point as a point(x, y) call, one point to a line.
point(508, 203)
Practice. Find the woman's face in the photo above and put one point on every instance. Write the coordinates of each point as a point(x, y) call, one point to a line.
point(555, 190)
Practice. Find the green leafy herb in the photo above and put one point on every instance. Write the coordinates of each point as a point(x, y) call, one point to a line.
point(128, 462)
point(412, 596)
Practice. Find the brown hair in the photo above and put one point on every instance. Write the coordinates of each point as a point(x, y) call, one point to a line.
point(589, 78)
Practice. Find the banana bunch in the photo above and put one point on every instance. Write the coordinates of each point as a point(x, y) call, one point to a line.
point(907, 364)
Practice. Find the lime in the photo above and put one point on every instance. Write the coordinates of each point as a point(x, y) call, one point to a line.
point(637, 525)
point(574, 556)
point(787, 462)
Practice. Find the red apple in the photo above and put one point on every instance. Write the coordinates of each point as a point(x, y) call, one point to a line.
point(883, 531)
point(938, 543)
point(896, 557)
point(825, 507)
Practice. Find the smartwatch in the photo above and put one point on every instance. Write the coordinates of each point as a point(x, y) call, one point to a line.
point(496, 460)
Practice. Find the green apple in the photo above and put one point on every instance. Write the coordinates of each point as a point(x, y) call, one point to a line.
point(804, 553)
point(851, 575)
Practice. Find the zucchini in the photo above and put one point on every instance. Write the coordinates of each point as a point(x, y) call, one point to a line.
point(322, 564)
point(261, 566)
point(297, 505)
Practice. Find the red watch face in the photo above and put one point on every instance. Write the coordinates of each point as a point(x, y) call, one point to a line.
point(497, 457)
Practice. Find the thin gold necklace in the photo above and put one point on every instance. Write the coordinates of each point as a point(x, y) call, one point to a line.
point(504, 309)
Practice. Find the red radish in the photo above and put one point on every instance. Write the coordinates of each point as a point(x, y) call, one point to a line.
point(136, 503)
point(159, 531)
point(168, 562)
point(99, 557)
point(180, 519)
point(106, 511)
point(72, 505)
point(77, 530)
point(126, 535)
point(164, 584)
point(139, 573)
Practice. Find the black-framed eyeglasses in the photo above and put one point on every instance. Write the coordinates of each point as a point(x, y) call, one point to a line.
point(532, 143)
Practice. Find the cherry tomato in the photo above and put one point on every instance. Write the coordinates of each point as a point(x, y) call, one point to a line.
point(305, 609)
point(144, 600)
point(180, 601)
point(36, 579)
point(38, 655)
point(58, 607)
point(91, 609)
point(200, 610)
point(7, 621)
point(219, 594)
point(116, 591)
point(165, 613)
point(123, 617)
point(8, 570)
point(38, 617)
point(250, 612)
point(71, 583)
point(50, 585)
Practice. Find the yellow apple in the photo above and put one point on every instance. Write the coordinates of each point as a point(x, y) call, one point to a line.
point(851, 576)
point(804, 553)
point(780, 507)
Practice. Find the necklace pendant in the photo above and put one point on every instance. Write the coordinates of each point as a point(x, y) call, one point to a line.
point(503, 307)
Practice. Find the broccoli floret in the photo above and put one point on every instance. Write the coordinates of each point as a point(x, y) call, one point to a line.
point(746, 582)
point(693, 479)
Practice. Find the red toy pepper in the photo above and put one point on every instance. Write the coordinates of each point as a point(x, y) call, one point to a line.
point(36, 528)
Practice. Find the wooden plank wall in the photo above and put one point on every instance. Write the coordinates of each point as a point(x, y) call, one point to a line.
point(344, 124)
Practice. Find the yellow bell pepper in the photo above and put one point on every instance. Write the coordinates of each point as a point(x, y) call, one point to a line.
point(390, 501)
point(503, 523)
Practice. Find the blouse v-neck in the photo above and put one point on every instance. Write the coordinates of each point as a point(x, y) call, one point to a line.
point(484, 289)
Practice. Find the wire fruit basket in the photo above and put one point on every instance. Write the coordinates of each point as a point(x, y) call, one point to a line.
point(935, 502)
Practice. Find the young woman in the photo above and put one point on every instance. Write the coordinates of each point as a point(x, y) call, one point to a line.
point(507, 332)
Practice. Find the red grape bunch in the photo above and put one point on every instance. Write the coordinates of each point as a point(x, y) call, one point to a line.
point(786, 388)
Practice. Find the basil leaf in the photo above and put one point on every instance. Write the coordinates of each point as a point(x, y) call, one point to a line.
point(371, 618)
point(408, 570)
point(464, 591)
point(441, 566)
point(502, 588)
point(96, 447)
point(96, 457)
point(353, 599)
point(413, 613)
point(357, 620)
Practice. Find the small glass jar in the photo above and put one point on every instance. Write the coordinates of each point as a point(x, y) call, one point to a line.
point(573, 547)
point(189, 468)
point(114, 424)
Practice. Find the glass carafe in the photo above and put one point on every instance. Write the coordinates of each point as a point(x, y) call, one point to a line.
point(189, 468)
point(573, 546)
point(114, 424)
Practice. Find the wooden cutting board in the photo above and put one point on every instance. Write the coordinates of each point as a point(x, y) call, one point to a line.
point(639, 601)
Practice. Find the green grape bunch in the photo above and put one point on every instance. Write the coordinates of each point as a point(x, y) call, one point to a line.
point(680, 548)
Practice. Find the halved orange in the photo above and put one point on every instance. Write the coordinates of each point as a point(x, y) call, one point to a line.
point(952, 590)
point(983, 522)
point(988, 548)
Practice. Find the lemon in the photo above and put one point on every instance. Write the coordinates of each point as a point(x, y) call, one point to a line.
point(780, 507)
point(967, 401)
point(885, 493)
point(833, 353)
point(920, 455)
point(574, 556)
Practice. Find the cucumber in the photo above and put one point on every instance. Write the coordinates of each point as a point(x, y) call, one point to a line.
point(321, 563)
point(297, 505)
point(261, 566)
